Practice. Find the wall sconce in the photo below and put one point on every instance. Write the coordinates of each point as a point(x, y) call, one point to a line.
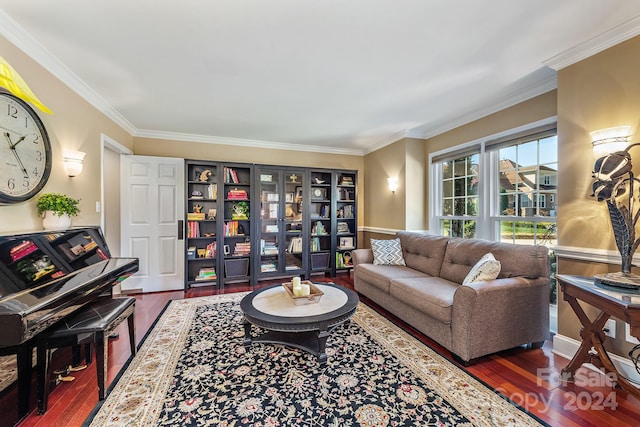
point(73, 162)
point(610, 140)
point(393, 184)
point(615, 183)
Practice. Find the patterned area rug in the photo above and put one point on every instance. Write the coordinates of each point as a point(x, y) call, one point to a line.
point(194, 370)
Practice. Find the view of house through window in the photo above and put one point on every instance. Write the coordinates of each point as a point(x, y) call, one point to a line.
point(503, 191)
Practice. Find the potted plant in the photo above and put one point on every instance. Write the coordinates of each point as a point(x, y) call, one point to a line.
point(56, 210)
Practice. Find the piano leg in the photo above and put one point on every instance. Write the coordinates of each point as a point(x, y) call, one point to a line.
point(44, 359)
point(24, 357)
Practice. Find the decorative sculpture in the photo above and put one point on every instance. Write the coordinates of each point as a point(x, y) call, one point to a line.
point(204, 176)
point(615, 184)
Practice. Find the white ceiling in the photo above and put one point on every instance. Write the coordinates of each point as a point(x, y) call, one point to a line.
point(327, 75)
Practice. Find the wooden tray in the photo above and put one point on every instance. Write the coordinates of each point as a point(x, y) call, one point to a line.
point(314, 295)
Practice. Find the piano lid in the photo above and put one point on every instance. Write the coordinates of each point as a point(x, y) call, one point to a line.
point(43, 295)
point(29, 260)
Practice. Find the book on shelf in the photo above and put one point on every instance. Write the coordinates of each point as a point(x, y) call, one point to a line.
point(237, 194)
point(346, 180)
point(242, 249)
point(22, 249)
point(268, 267)
point(231, 228)
point(195, 216)
point(211, 250)
point(230, 176)
point(295, 245)
point(315, 244)
point(212, 191)
point(206, 273)
point(193, 230)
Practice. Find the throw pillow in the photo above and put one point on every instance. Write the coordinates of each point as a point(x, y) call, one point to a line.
point(487, 268)
point(387, 252)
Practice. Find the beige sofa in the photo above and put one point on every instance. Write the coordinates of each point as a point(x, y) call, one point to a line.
point(469, 320)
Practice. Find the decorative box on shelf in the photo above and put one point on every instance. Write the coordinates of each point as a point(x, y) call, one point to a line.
point(319, 260)
point(314, 293)
point(236, 267)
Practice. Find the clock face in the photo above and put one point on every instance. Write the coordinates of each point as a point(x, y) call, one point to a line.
point(25, 151)
point(318, 193)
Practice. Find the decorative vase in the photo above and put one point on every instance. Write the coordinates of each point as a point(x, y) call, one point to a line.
point(51, 221)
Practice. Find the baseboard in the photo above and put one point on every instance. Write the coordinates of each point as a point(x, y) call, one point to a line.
point(566, 347)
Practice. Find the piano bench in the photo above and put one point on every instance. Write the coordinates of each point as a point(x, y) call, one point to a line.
point(93, 323)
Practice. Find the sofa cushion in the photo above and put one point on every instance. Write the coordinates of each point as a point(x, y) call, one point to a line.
point(380, 276)
point(387, 252)
point(423, 252)
point(487, 268)
point(432, 296)
point(516, 260)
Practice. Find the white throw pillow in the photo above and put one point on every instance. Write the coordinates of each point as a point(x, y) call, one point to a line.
point(487, 268)
point(387, 252)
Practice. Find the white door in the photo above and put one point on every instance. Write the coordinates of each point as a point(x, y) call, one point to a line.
point(152, 211)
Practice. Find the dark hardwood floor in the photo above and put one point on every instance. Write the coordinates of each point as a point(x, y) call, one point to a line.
point(528, 377)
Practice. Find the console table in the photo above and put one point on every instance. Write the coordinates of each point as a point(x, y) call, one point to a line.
point(618, 302)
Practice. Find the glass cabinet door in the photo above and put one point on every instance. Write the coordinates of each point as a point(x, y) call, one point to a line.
point(281, 225)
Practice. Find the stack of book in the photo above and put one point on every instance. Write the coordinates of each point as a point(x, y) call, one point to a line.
point(242, 249)
point(22, 249)
point(206, 273)
point(346, 180)
point(268, 248)
point(267, 267)
point(195, 216)
point(237, 194)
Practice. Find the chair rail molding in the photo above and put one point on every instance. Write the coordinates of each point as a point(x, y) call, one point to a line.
point(591, 254)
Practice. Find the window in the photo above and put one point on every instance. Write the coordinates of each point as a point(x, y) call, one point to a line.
point(502, 189)
point(460, 196)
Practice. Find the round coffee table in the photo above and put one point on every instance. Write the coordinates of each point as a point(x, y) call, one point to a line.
point(306, 327)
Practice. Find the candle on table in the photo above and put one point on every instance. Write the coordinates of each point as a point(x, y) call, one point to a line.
point(297, 288)
point(306, 290)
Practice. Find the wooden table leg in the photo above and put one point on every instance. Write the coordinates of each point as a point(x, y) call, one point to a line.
point(591, 333)
point(593, 337)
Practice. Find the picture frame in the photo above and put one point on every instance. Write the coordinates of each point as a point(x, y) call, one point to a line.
point(288, 198)
point(319, 193)
point(346, 243)
point(299, 193)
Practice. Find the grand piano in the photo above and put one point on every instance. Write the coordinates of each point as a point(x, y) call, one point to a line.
point(45, 276)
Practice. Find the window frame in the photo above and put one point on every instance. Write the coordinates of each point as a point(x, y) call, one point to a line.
point(488, 219)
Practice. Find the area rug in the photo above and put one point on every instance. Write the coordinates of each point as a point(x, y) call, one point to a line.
point(193, 370)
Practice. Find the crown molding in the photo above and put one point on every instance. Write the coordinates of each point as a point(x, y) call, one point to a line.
point(32, 48)
point(512, 98)
point(387, 140)
point(597, 44)
point(220, 140)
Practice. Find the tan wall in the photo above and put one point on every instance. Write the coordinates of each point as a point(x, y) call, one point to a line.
point(599, 92)
point(530, 111)
point(230, 153)
point(383, 208)
point(74, 125)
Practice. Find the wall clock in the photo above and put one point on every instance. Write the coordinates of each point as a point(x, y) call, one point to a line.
point(25, 151)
